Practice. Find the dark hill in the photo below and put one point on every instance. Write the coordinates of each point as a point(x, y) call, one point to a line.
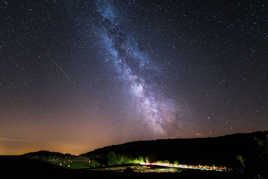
point(44, 153)
point(242, 152)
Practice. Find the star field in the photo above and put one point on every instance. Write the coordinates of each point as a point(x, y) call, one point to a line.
point(78, 75)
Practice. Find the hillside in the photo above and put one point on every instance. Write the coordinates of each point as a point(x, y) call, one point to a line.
point(242, 152)
point(46, 154)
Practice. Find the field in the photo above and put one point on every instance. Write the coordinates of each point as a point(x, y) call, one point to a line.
point(16, 166)
point(234, 156)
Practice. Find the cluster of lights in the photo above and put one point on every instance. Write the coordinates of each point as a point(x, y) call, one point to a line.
point(196, 167)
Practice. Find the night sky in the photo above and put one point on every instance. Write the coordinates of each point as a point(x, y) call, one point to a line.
point(76, 75)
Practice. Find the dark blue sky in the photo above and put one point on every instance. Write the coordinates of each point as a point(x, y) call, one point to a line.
point(77, 75)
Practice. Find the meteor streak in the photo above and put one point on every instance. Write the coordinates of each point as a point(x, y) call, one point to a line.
point(62, 70)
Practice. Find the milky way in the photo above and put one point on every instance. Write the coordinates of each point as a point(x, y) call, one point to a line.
point(158, 113)
point(102, 72)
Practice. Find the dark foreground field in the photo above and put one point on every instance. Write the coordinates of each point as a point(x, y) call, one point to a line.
point(18, 167)
point(233, 156)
